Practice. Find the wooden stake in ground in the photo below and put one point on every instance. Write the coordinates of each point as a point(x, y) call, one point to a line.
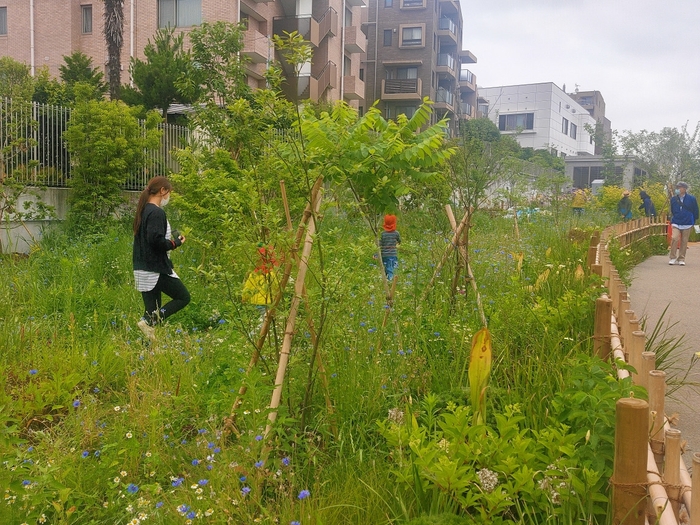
point(630, 469)
point(601, 330)
point(291, 320)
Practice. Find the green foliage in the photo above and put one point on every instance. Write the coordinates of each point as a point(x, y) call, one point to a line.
point(482, 129)
point(15, 80)
point(48, 90)
point(155, 78)
point(107, 145)
point(78, 68)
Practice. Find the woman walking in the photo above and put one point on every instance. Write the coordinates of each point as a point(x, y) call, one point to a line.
point(153, 270)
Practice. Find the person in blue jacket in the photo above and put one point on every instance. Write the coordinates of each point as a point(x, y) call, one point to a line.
point(684, 214)
point(647, 205)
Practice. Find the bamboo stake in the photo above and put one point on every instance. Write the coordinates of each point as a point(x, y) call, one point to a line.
point(286, 205)
point(657, 393)
point(636, 349)
point(648, 364)
point(291, 320)
point(685, 476)
point(617, 349)
point(672, 467)
point(629, 475)
point(592, 254)
point(601, 330)
point(597, 269)
point(695, 493)
point(660, 503)
point(264, 329)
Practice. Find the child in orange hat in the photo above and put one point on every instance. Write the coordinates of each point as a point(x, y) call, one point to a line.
point(388, 242)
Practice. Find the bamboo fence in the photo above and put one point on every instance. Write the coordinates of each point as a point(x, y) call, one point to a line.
point(650, 482)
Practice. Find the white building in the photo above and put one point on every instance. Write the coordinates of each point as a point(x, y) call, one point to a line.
point(541, 116)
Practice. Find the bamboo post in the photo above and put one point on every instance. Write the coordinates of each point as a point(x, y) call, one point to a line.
point(695, 492)
point(657, 393)
point(592, 255)
point(617, 350)
point(597, 269)
point(630, 467)
point(686, 484)
point(635, 348)
point(625, 332)
point(672, 467)
point(622, 315)
point(648, 364)
point(291, 320)
point(663, 511)
point(601, 330)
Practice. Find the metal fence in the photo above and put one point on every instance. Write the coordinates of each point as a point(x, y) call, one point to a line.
point(32, 149)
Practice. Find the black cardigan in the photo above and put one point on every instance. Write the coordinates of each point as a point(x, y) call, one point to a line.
point(150, 245)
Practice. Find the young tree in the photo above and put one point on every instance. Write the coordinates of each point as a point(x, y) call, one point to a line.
point(669, 155)
point(108, 145)
point(114, 33)
point(78, 67)
point(155, 78)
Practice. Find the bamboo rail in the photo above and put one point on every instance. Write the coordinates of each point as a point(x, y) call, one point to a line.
point(641, 428)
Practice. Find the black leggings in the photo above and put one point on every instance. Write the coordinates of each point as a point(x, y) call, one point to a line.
point(173, 288)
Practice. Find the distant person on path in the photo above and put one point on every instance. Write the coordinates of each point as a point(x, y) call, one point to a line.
point(153, 270)
point(647, 205)
point(578, 202)
point(684, 214)
point(387, 243)
point(624, 207)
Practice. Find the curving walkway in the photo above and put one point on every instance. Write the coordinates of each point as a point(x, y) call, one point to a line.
point(656, 285)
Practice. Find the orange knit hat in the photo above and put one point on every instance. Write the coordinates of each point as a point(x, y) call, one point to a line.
point(389, 223)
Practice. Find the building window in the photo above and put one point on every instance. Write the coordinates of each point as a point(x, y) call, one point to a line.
point(388, 3)
point(564, 126)
point(387, 37)
point(3, 20)
point(87, 18)
point(573, 129)
point(406, 72)
point(516, 121)
point(179, 13)
point(362, 74)
point(412, 3)
point(393, 112)
point(412, 36)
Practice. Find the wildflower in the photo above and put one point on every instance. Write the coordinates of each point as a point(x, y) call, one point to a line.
point(76, 403)
point(85, 453)
point(488, 479)
point(259, 464)
point(183, 508)
point(117, 408)
point(203, 482)
point(222, 321)
point(132, 489)
point(194, 486)
point(117, 479)
point(295, 522)
point(26, 482)
point(208, 512)
point(129, 435)
point(191, 514)
point(148, 454)
point(202, 431)
point(176, 482)
point(304, 494)
point(245, 491)
point(195, 462)
point(396, 416)
point(42, 518)
point(258, 438)
point(33, 371)
point(286, 461)
point(242, 479)
point(159, 504)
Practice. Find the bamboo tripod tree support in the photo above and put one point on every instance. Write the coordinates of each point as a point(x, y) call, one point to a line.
point(269, 315)
point(293, 311)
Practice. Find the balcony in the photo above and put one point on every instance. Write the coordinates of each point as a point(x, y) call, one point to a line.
point(355, 40)
point(353, 88)
point(467, 57)
point(308, 87)
point(466, 110)
point(446, 63)
point(328, 24)
point(447, 29)
point(402, 89)
point(328, 77)
point(444, 99)
point(306, 26)
point(467, 80)
point(256, 46)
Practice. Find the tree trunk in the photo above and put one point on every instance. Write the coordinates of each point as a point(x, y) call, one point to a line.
point(114, 32)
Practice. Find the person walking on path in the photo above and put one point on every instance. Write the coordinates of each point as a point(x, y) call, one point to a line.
point(390, 238)
point(684, 214)
point(153, 270)
point(647, 205)
point(624, 206)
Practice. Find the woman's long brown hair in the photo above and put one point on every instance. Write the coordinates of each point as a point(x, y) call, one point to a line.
point(153, 187)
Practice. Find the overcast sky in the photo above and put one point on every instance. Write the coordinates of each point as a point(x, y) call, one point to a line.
point(642, 55)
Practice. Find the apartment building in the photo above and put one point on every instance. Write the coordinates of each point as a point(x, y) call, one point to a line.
point(41, 32)
point(593, 102)
point(540, 116)
point(414, 50)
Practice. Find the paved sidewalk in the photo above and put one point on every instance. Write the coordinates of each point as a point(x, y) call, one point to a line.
point(656, 285)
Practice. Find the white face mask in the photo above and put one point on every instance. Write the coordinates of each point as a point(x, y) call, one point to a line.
point(165, 200)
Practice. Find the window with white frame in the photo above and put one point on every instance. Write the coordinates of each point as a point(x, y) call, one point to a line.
point(412, 36)
point(387, 37)
point(3, 20)
point(179, 13)
point(412, 3)
point(572, 130)
point(516, 121)
point(564, 126)
point(86, 11)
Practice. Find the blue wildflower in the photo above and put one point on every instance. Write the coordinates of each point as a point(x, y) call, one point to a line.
point(286, 462)
point(191, 514)
point(259, 464)
point(132, 489)
point(76, 403)
point(177, 482)
point(195, 462)
point(304, 494)
point(33, 371)
point(203, 482)
point(258, 438)
point(85, 453)
point(245, 491)
point(183, 508)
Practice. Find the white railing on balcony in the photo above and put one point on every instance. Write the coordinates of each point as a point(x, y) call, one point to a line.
point(465, 75)
point(446, 24)
point(445, 96)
